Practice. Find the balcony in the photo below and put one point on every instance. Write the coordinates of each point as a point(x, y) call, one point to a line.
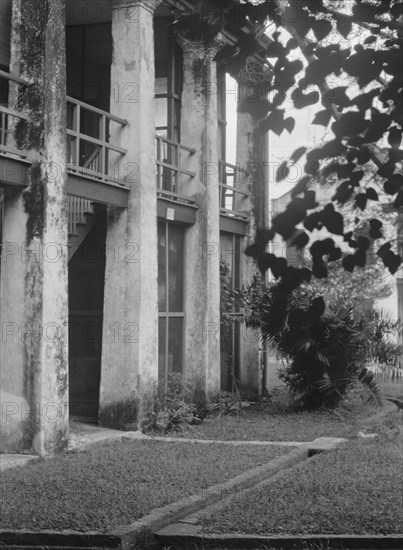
point(92, 160)
point(231, 197)
point(171, 175)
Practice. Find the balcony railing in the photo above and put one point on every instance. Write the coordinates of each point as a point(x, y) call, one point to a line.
point(89, 151)
point(170, 172)
point(9, 117)
point(230, 177)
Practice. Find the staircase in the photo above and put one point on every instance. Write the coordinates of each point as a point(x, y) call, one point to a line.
point(82, 217)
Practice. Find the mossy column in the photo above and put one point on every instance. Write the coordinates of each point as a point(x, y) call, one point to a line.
point(251, 155)
point(130, 334)
point(199, 129)
point(40, 229)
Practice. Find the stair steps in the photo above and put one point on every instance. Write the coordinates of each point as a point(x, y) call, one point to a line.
point(82, 216)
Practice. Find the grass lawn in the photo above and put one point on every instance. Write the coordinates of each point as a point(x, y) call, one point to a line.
point(354, 489)
point(116, 483)
point(278, 421)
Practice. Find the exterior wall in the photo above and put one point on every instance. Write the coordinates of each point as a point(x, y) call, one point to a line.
point(34, 365)
point(34, 297)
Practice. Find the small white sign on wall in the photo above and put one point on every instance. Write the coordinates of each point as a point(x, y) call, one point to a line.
point(170, 214)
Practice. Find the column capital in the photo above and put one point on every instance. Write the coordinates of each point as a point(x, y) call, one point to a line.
point(200, 49)
point(149, 5)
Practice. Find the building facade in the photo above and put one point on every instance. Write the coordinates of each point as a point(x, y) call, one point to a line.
point(117, 207)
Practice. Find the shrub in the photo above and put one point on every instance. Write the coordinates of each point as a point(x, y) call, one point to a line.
point(324, 346)
point(174, 403)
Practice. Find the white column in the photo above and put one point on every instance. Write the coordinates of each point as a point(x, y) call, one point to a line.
point(202, 264)
point(130, 326)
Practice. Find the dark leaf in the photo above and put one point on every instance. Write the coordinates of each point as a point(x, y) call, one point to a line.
point(337, 96)
point(364, 101)
point(395, 137)
point(310, 200)
point(274, 122)
point(278, 267)
point(350, 124)
point(265, 261)
point(384, 250)
point(372, 194)
point(301, 186)
point(393, 184)
point(304, 100)
point(380, 122)
point(334, 223)
point(360, 258)
point(321, 29)
point(392, 261)
point(312, 221)
point(399, 200)
point(322, 118)
point(386, 171)
point(301, 240)
point(356, 177)
point(361, 200)
point(319, 270)
point(370, 39)
point(375, 229)
point(282, 171)
point(297, 154)
point(344, 24)
point(289, 124)
point(257, 109)
point(348, 263)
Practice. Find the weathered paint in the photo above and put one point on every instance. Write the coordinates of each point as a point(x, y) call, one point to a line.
point(41, 356)
point(130, 334)
point(202, 266)
point(251, 156)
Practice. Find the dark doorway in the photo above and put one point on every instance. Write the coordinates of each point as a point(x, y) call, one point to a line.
point(86, 298)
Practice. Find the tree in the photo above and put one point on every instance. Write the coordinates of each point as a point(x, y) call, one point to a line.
point(359, 86)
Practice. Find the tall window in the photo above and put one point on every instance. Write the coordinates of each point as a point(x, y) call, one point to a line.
point(171, 245)
point(230, 251)
point(168, 80)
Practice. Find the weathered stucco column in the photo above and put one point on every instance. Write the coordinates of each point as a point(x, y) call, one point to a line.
point(130, 333)
point(202, 266)
point(34, 356)
point(251, 155)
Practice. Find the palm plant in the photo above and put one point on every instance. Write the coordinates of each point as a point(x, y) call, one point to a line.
point(324, 347)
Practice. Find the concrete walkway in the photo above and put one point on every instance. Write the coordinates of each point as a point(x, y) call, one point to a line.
point(8, 461)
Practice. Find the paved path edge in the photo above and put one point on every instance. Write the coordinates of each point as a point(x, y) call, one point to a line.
point(140, 534)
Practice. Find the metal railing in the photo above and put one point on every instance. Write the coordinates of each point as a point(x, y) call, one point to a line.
point(230, 176)
point(9, 117)
point(89, 151)
point(170, 170)
point(77, 209)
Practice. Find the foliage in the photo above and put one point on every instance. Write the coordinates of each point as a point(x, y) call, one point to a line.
point(175, 403)
point(383, 349)
point(324, 346)
point(346, 55)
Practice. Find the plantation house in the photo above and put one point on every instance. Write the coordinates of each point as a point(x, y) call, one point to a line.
point(117, 202)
